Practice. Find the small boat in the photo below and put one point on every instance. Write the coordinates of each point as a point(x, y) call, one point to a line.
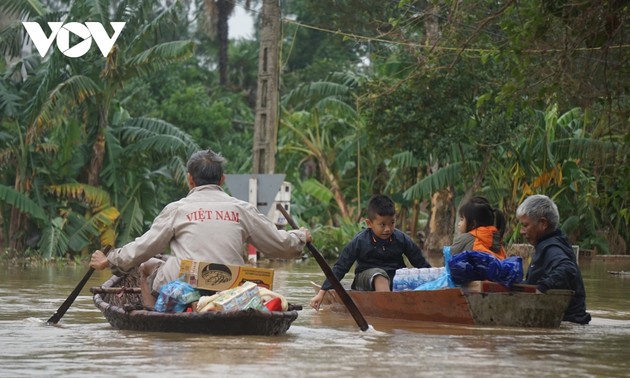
point(120, 302)
point(480, 303)
point(619, 273)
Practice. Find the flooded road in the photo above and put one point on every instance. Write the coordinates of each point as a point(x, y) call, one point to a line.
point(318, 344)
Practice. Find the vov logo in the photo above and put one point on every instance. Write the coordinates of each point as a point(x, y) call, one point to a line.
point(61, 32)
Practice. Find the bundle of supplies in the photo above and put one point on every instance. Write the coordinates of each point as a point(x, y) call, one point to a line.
point(243, 297)
point(479, 266)
point(410, 278)
point(175, 296)
point(424, 278)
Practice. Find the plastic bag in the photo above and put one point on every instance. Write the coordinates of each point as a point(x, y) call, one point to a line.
point(444, 280)
point(441, 282)
point(479, 266)
point(410, 278)
point(472, 266)
point(175, 297)
point(510, 271)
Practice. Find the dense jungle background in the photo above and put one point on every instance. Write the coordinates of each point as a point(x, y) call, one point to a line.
point(430, 102)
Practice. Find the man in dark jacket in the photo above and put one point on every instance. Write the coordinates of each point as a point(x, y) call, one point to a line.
point(554, 264)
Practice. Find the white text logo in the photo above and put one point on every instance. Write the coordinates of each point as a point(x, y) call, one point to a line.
point(62, 33)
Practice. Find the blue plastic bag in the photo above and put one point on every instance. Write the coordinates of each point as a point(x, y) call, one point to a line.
point(509, 272)
point(479, 266)
point(175, 296)
point(471, 266)
point(444, 280)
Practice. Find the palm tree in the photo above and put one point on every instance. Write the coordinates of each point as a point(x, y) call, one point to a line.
point(214, 24)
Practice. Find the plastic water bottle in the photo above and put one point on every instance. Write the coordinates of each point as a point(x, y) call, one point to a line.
point(400, 280)
point(396, 281)
point(416, 277)
point(425, 276)
point(434, 273)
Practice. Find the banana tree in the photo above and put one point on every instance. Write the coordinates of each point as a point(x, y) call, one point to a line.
point(321, 125)
point(144, 154)
point(54, 91)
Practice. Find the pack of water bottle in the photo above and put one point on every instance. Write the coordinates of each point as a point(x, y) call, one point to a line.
point(410, 278)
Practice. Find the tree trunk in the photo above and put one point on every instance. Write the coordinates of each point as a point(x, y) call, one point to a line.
point(98, 148)
point(225, 8)
point(17, 219)
point(16, 233)
point(2, 230)
point(432, 25)
point(335, 188)
point(413, 228)
point(441, 222)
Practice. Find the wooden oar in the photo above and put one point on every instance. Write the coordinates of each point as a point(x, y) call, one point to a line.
point(61, 311)
point(345, 298)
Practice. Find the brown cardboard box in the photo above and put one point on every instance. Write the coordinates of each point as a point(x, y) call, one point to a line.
point(218, 277)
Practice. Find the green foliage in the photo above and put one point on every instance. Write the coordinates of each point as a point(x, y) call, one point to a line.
point(204, 119)
point(54, 242)
point(331, 240)
point(60, 108)
point(449, 175)
point(319, 192)
point(507, 99)
point(21, 202)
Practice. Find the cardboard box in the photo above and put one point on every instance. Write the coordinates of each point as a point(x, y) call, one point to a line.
point(218, 277)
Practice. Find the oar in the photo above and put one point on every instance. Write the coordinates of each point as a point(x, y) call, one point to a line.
point(61, 311)
point(343, 294)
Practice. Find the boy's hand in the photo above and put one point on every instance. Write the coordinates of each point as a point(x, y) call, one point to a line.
point(316, 301)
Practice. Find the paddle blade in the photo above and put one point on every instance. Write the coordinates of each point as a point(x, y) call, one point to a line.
point(345, 297)
point(61, 311)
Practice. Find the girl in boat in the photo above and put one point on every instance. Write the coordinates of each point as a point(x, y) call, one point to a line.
point(481, 228)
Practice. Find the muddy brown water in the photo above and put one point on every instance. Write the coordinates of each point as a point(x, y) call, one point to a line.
point(318, 344)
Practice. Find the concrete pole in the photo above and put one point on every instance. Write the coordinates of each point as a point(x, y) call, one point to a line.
point(266, 121)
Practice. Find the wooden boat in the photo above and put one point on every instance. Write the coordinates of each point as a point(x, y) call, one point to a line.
point(120, 302)
point(619, 273)
point(481, 303)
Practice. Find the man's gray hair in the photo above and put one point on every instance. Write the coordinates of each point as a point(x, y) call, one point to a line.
point(206, 167)
point(540, 206)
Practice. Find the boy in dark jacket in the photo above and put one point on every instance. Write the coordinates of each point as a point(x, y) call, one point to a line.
point(378, 251)
point(554, 264)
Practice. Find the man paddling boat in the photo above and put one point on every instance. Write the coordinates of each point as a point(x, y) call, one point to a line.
point(206, 225)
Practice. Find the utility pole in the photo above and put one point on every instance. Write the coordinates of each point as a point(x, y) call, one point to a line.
point(266, 121)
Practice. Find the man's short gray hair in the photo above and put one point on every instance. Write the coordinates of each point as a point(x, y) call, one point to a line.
point(540, 206)
point(206, 167)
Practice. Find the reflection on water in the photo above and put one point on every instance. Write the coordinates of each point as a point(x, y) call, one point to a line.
point(318, 344)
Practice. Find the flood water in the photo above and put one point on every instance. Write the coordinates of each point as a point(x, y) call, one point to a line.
point(318, 344)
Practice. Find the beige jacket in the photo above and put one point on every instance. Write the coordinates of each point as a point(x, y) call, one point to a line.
point(206, 225)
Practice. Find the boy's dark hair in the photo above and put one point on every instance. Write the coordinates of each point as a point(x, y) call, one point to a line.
point(382, 205)
point(478, 212)
point(206, 167)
